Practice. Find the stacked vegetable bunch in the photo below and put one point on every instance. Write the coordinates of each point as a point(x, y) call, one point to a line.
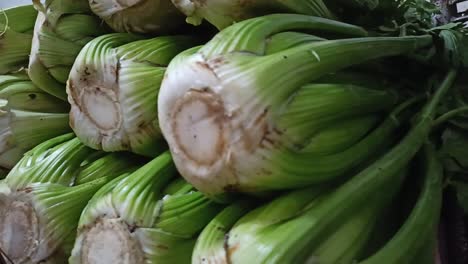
point(275, 132)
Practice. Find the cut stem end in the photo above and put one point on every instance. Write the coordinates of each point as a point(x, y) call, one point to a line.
point(19, 229)
point(110, 241)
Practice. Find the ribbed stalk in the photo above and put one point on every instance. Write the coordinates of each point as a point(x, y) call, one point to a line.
point(301, 229)
point(223, 13)
point(210, 245)
point(65, 160)
point(38, 220)
point(113, 87)
point(39, 210)
point(340, 136)
point(316, 106)
point(107, 164)
point(420, 225)
point(141, 221)
point(381, 173)
point(288, 169)
point(62, 28)
point(232, 92)
point(19, 18)
point(28, 116)
point(139, 16)
point(54, 161)
point(296, 239)
point(15, 39)
point(22, 94)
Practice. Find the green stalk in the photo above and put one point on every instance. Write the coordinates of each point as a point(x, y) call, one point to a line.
point(347, 242)
point(65, 160)
point(62, 28)
point(177, 186)
point(141, 16)
point(423, 220)
point(38, 220)
point(113, 87)
point(340, 136)
point(375, 177)
point(141, 221)
point(316, 106)
point(107, 164)
point(22, 94)
point(55, 161)
point(19, 18)
point(210, 245)
point(303, 229)
point(28, 116)
point(15, 37)
point(39, 209)
point(289, 169)
point(259, 116)
point(449, 115)
point(273, 233)
point(224, 13)
point(14, 50)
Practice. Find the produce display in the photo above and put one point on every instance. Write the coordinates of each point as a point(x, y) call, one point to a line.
point(235, 132)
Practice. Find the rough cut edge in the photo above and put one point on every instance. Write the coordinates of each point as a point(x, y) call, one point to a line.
point(19, 225)
point(109, 241)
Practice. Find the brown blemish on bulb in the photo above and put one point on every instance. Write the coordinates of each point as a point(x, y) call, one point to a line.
point(232, 250)
point(216, 62)
point(162, 247)
point(26, 190)
point(74, 96)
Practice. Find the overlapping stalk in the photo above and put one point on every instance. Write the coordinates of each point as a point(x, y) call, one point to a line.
point(139, 16)
point(421, 224)
point(239, 113)
point(28, 116)
point(62, 28)
point(16, 26)
point(223, 13)
point(307, 226)
point(113, 90)
point(146, 217)
point(40, 202)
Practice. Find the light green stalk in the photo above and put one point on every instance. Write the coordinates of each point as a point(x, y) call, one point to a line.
point(113, 89)
point(223, 13)
point(273, 227)
point(133, 220)
point(210, 245)
point(37, 220)
point(40, 210)
point(238, 112)
point(16, 25)
point(28, 116)
point(62, 28)
point(281, 232)
point(139, 16)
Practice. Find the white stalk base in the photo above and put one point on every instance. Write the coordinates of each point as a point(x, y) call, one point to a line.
point(19, 229)
point(109, 241)
point(219, 130)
